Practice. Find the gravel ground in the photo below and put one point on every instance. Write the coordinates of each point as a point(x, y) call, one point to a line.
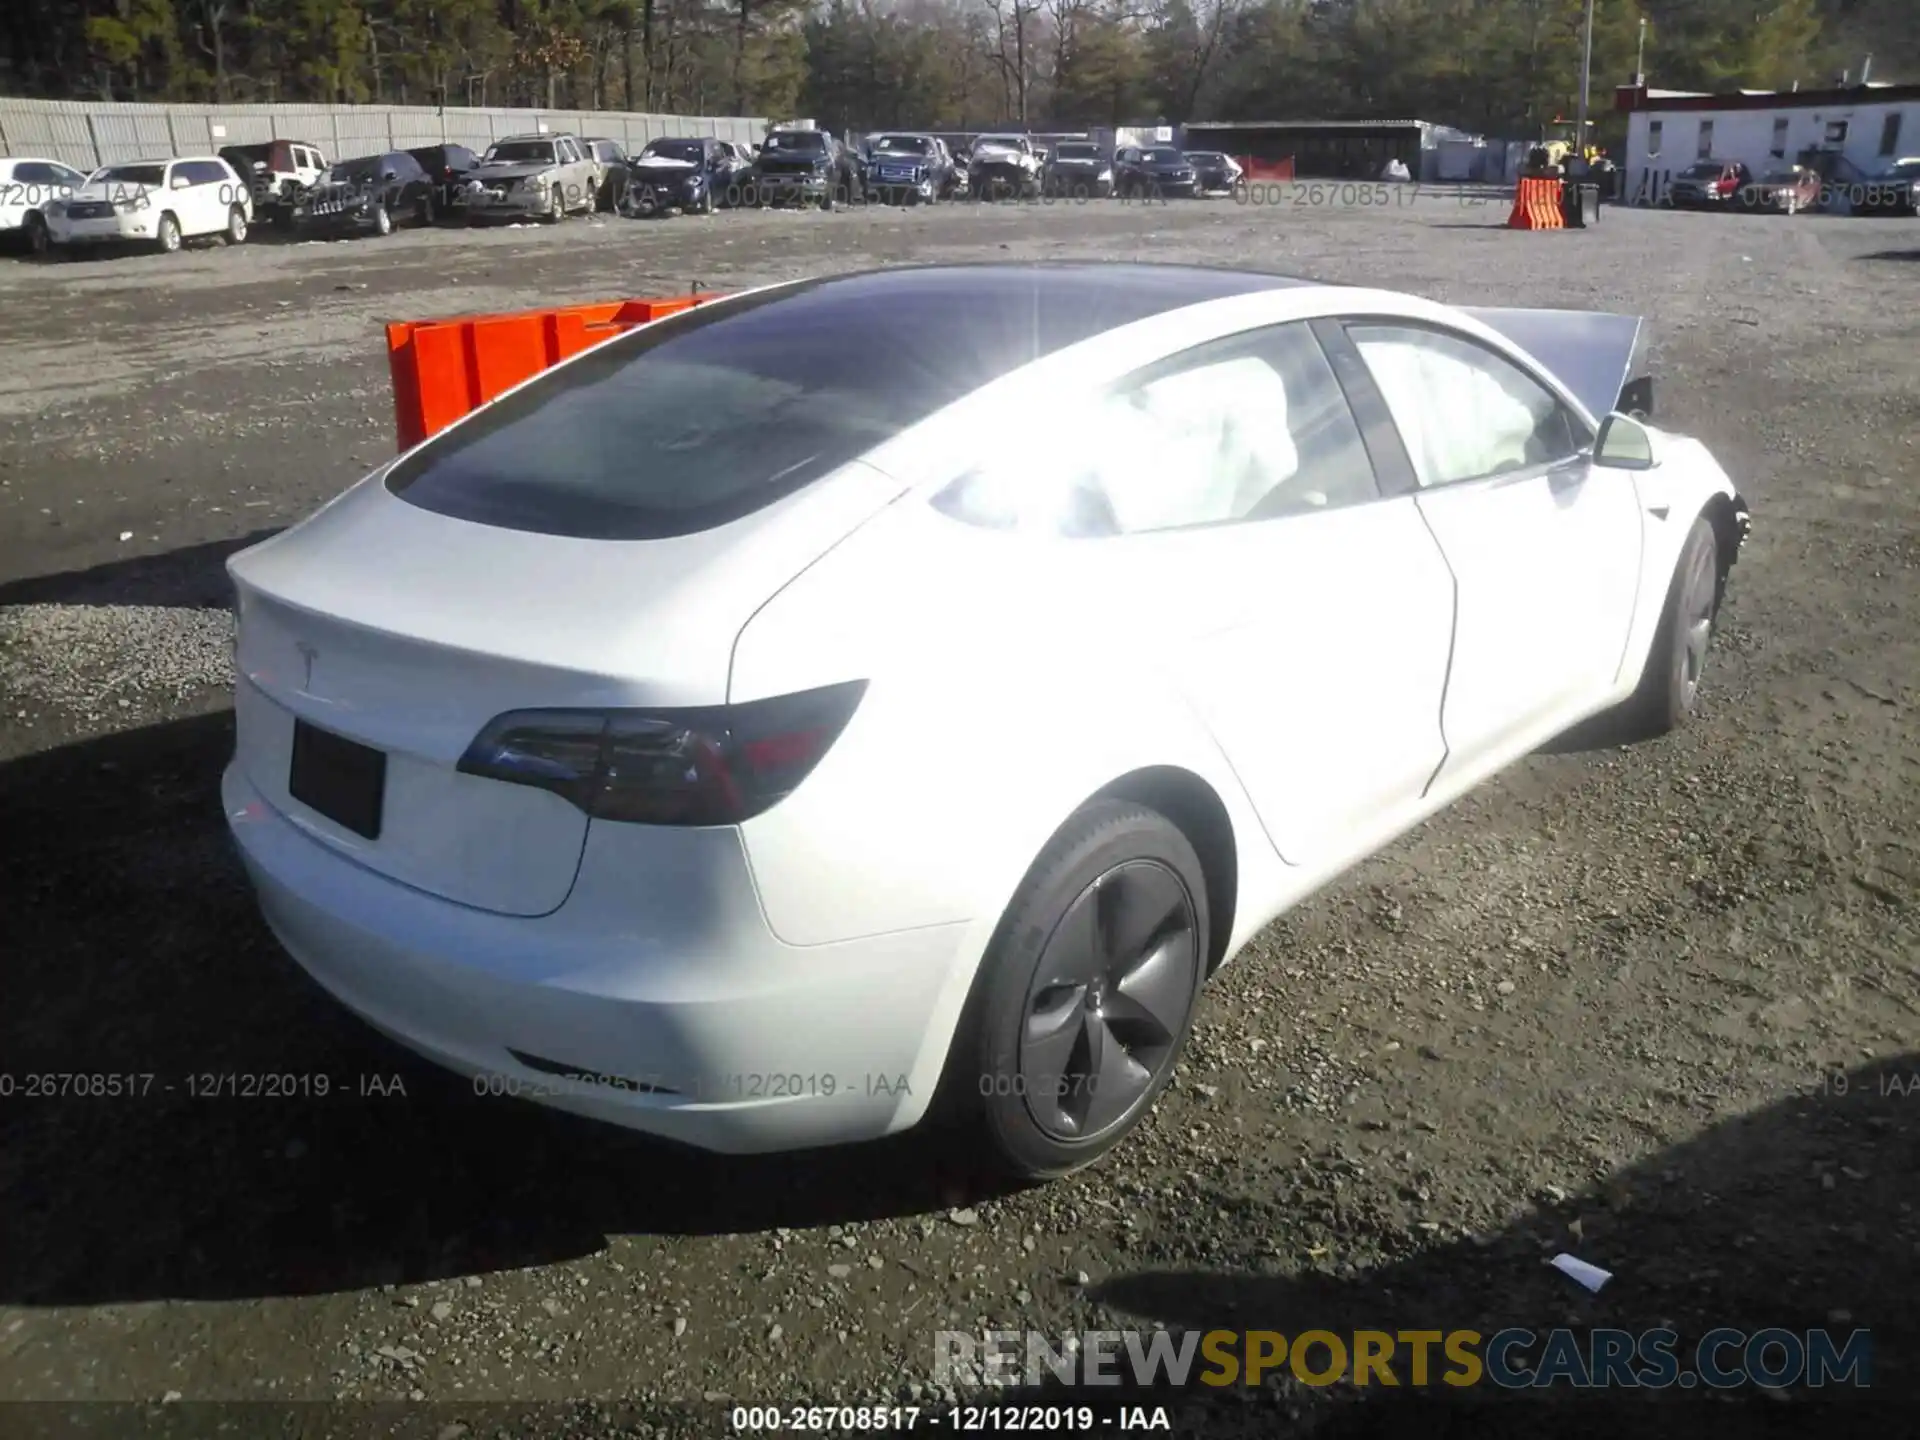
point(1655, 1006)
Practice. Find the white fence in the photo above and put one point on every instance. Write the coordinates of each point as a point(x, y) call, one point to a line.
point(89, 134)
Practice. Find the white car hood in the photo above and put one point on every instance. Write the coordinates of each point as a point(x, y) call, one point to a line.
point(110, 191)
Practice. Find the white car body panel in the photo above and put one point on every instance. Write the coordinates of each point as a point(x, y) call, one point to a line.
point(1332, 678)
point(201, 208)
point(21, 197)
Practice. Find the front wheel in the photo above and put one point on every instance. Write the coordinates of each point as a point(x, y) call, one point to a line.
point(1669, 690)
point(236, 226)
point(1087, 992)
point(167, 234)
point(38, 236)
point(382, 220)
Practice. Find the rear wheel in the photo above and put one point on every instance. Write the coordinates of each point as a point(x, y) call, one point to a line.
point(1087, 993)
point(37, 236)
point(236, 226)
point(382, 220)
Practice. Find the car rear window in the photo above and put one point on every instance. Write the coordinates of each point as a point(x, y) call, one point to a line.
point(684, 426)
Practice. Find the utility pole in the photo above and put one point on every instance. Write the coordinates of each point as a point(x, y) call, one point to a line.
point(1640, 58)
point(1586, 80)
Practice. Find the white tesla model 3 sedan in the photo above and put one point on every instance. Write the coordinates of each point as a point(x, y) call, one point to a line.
point(775, 716)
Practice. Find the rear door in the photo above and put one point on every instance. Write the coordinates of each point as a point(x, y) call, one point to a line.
point(1305, 615)
point(1544, 547)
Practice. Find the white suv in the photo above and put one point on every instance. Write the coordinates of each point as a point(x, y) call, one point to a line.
point(156, 202)
point(27, 187)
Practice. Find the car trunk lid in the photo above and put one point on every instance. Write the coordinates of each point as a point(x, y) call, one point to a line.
point(405, 632)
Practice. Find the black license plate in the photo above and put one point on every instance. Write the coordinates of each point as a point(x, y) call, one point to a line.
point(341, 778)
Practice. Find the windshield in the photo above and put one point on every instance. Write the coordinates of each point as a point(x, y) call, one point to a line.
point(1161, 157)
point(903, 145)
point(1701, 172)
point(129, 175)
point(1074, 152)
point(361, 169)
point(672, 150)
point(520, 152)
point(796, 140)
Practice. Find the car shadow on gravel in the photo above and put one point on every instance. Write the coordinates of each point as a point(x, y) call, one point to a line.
point(135, 951)
point(193, 577)
point(1800, 1216)
point(1893, 255)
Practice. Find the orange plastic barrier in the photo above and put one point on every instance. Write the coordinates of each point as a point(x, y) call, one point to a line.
point(1536, 205)
point(443, 369)
point(1257, 169)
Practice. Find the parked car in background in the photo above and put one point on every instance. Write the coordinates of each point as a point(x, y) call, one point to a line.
point(448, 166)
point(1214, 170)
point(1708, 185)
point(371, 195)
point(1785, 191)
point(611, 157)
point(1894, 190)
point(1155, 171)
point(908, 169)
point(1077, 168)
point(1003, 165)
point(27, 187)
point(677, 175)
point(532, 177)
point(278, 172)
point(805, 166)
point(162, 203)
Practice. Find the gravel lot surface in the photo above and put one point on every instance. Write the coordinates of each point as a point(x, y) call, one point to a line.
point(1655, 1006)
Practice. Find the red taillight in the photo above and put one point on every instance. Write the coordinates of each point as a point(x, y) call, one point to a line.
point(717, 765)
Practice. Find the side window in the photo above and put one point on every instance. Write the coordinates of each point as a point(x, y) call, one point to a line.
point(1247, 429)
point(1653, 138)
point(34, 172)
point(1464, 412)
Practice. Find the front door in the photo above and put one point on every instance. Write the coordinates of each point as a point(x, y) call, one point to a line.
point(1544, 546)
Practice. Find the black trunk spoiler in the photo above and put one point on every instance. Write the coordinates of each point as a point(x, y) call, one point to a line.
point(1601, 358)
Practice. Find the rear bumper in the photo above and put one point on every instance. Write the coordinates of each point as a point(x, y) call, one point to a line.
point(668, 1008)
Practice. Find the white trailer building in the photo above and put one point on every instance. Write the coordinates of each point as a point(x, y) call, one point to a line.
point(1847, 134)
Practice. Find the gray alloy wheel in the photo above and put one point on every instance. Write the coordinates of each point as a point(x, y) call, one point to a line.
point(556, 204)
point(236, 226)
point(1107, 1003)
point(382, 219)
point(1086, 994)
point(1669, 689)
point(167, 234)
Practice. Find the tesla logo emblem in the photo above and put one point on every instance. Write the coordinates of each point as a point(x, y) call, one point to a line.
point(309, 655)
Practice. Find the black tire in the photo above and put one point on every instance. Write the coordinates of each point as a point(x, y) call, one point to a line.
point(556, 205)
point(1669, 689)
point(38, 238)
point(382, 219)
point(425, 216)
point(706, 200)
point(1026, 1062)
point(236, 232)
point(166, 234)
